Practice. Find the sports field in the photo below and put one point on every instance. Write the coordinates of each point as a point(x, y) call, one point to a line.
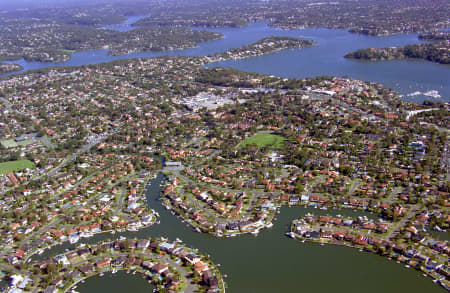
point(14, 166)
point(11, 143)
point(263, 140)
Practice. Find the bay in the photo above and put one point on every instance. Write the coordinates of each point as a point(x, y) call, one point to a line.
point(325, 58)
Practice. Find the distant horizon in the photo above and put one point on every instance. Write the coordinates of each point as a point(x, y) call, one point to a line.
point(30, 4)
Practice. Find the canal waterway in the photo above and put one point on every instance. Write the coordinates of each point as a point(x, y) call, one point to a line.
point(118, 282)
point(325, 58)
point(272, 262)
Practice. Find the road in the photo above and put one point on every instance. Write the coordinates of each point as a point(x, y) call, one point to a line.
point(393, 194)
point(403, 221)
point(120, 203)
point(45, 141)
point(12, 269)
point(7, 104)
point(76, 154)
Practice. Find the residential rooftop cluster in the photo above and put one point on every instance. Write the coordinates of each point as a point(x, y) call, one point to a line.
point(170, 265)
point(93, 136)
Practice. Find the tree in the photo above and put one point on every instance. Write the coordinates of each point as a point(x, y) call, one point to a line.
point(299, 187)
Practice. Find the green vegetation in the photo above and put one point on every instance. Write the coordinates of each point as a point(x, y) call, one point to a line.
point(9, 67)
point(11, 143)
point(15, 166)
point(263, 140)
point(264, 46)
point(434, 52)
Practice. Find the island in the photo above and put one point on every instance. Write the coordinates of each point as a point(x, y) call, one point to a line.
point(262, 47)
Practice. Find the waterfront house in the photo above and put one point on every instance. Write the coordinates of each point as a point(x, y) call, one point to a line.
point(84, 253)
point(58, 281)
point(101, 264)
point(143, 244)
point(192, 258)
point(159, 268)
point(118, 262)
point(445, 271)
point(200, 266)
point(338, 236)
point(210, 280)
point(86, 269)
point(168, 247)
point(147, 264)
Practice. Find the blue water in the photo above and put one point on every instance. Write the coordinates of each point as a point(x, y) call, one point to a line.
point(126, 25)
point(325, 58)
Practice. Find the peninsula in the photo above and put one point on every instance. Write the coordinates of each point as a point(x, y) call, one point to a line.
point(262, 47)
point(171, 266)
point(9, 67)
point(437, 51)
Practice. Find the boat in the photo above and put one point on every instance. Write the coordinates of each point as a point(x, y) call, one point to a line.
point(74, 239)
point(416, 93)
point(270, 225)
point(121, 238)
point(290, 234)
point(432, 94)
point(86, 234)
point(101, 274)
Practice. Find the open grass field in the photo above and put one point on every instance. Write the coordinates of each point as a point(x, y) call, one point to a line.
point(263, 140)
point(15, 166)
point(11, 143)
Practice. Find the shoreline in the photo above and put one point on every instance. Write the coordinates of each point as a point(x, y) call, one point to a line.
point(365, 249)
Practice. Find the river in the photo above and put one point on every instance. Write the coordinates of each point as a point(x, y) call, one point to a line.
point(271, 262)
point(325, 58)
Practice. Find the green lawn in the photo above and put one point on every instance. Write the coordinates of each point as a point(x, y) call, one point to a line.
point(15, 166)
point(264, 139)
point(11, 143)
